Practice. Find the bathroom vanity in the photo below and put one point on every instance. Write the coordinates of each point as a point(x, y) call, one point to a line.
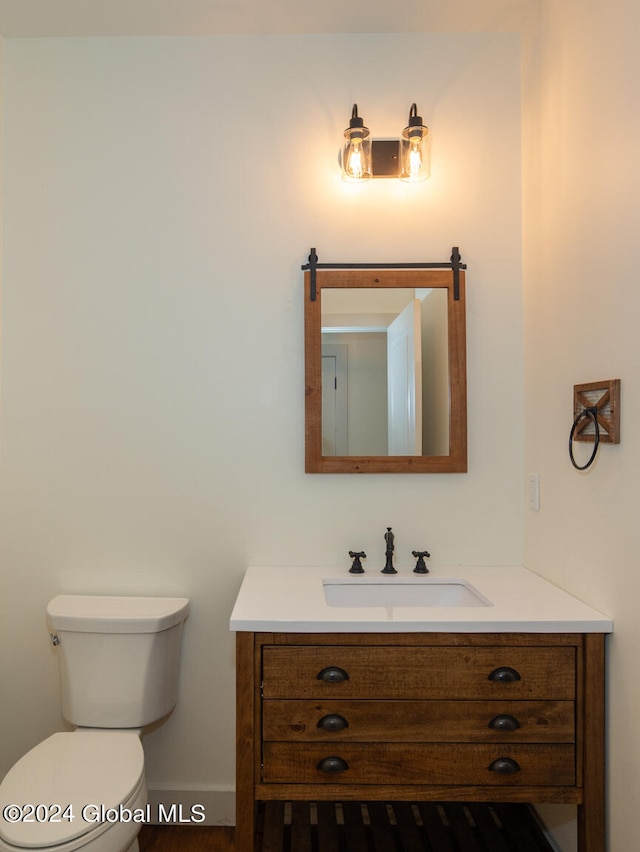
point(500, 701)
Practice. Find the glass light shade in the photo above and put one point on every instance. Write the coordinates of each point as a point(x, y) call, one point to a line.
point(415, 149)
point(356, 151)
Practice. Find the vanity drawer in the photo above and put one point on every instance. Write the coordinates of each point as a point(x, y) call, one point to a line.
point(429, 764)
point(418, 721)
point(487, 672)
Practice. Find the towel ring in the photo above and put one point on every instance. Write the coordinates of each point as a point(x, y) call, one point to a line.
point(592, 412)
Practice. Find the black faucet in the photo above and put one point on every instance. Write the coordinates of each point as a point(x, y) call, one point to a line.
point(388, 568)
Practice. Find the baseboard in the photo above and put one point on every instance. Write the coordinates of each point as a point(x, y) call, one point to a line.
point(192, 807)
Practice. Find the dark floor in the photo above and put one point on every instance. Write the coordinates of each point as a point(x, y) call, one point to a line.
point(185, 838)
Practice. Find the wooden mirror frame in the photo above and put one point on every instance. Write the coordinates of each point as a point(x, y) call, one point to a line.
point(456, 460)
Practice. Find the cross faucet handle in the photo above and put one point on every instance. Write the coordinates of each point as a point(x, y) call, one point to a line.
point(421, 567)
point(356, 567)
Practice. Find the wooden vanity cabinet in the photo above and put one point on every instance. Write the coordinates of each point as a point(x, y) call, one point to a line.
point(421, 717)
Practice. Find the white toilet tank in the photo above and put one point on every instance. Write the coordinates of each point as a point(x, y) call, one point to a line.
point(118, 657)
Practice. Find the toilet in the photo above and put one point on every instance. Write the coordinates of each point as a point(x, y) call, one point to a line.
point(85, 790)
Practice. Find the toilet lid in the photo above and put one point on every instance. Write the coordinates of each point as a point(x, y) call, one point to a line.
point(72, 770)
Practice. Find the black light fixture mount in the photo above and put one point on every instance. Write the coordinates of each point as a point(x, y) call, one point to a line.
point(385, 158)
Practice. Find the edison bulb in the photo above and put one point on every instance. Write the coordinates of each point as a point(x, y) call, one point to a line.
point(354, 166)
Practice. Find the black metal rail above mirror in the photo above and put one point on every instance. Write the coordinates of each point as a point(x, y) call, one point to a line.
point(454, 264)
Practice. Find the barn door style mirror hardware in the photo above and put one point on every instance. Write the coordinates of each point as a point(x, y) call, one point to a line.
point(454, 263)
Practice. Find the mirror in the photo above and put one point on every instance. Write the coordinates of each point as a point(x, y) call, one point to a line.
point(385, 353)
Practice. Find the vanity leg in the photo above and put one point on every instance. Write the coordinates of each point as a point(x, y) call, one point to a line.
point(591, 813)
point(245, 743)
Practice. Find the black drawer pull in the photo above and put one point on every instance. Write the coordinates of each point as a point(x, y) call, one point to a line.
point(333, 674)
point(504, 766)
point(333, 722)
point(335, 765)
point(504, 723)
point(505, 674)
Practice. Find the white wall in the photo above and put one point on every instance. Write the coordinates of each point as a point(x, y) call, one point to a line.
point(582, 302)
point(160, 196)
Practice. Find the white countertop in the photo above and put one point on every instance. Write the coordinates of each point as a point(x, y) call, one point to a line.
point(275, 599)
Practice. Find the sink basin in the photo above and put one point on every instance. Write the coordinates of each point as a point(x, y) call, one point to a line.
point(393, 592)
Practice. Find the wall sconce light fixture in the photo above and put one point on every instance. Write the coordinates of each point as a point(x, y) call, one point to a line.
point(406, 158)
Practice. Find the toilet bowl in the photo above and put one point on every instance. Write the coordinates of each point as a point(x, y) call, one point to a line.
point(72, 790)
point(86, 790)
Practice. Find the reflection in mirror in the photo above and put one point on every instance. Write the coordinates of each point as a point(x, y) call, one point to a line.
point(385, 370)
